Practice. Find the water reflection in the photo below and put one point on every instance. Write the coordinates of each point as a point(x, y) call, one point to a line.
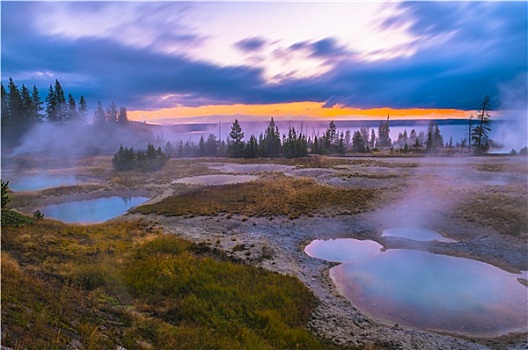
point(93, 210)
point(415, 234)
point(425, 290)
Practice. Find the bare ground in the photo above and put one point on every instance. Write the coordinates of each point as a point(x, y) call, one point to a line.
point(436, 193)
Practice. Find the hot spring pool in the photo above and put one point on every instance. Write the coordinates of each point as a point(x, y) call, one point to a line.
point(425, 290)
point(42, 181)
point(93, 210)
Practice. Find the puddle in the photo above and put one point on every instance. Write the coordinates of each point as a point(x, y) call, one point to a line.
point(93, 210)
point(40, 182)
point(215, 180)
point(425, 290)
point(415, 234)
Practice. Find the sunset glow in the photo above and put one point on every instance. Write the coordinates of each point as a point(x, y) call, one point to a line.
point(295, 110)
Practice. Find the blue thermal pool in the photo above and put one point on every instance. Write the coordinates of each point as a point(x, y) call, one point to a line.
point(415, 234)
point(425, 290)
point(42, 181)
point(93, 210)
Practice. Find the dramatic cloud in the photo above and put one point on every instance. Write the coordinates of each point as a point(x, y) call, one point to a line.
point(250, 44)
point(150, 56)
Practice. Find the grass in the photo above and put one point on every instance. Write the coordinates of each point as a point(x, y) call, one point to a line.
point(277, 195)
point(127, 284)
point(505, 210)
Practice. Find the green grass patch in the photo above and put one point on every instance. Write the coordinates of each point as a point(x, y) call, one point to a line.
point(275, 196)
point(128, 284)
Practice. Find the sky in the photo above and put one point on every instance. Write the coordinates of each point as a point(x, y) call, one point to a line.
point(173, 61)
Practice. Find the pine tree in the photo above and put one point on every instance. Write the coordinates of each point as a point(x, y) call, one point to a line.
point(330, 139)
point(202, 150)
point(52, 106)
point(236, 143)
point(61, 103)
point(122, 118)
point(83, 110)
point(111, 113)
point(251, 148)
point(99, 115)
point(37, 106)
point(14, 101)
point(5, 111)
point(211, 145)
point(358, 144)
point(480, 132)
point(384, 139)
point(271, 145)
point(72, 115)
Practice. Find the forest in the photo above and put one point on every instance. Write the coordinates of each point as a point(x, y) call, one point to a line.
point(59, 124)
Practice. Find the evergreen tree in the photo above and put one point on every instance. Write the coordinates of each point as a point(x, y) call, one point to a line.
point(14, 102)
point(83, 109)
point(52, 106)
point(202, 150)
point(364, 131)
point(122, 118)
point(236, 143)
point(251, 149)
point(479, 134)
point(438, 138)
point(271, 143)
point(26, 109)
point(72, 114)
point(211, 145)
point(330, 139)
point(99, 115)
point(111, 113)
point(5, 96)
point(37, 106)
point(61, 103)
point(384, 134)
point(429, 146)
point(168, 149)
point(358, 144)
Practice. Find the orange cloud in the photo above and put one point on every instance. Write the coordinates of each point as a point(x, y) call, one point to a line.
point(293, 110)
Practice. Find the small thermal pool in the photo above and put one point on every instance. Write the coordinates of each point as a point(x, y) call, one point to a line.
point(215, 180)
point(42, 181)
point(415, 234)
point(93, 210)
point(425, 290)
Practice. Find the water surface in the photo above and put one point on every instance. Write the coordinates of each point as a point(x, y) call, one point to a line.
point(425, 290)
point(415, 234)
point(41, 181)
point(93, 210)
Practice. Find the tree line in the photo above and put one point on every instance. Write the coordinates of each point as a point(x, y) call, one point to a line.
point(23, 108)
point(151, 159)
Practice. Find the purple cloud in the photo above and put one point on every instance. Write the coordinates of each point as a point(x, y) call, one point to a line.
point(250, 44)
point(483, 49)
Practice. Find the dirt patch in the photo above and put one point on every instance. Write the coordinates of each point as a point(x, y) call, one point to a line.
point(215, 180)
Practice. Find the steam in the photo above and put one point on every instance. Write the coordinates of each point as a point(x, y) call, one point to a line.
point(514, 133)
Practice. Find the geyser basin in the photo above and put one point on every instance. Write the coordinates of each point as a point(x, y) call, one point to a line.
point(93, 210)
point(415, 234)
point(424, 290)
point(40, 182)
